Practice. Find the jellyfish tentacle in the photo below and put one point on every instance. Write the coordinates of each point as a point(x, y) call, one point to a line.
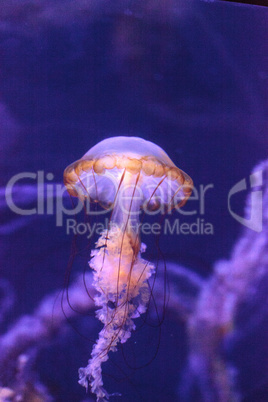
point(132, 295)
point(128, 231)
point(120, 172)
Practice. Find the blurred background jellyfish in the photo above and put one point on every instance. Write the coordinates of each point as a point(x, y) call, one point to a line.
point(125, 174)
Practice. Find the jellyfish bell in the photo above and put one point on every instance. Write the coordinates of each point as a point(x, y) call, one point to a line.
point(117, 167)
point(127, 175)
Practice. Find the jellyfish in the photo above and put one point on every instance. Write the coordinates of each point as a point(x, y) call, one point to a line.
point(126, 175)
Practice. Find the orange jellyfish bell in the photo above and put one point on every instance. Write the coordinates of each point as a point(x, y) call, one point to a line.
point(86, 176)
point(120, 163)
point(126, 174)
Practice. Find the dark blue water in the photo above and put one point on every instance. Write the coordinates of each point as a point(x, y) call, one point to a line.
point(191, 77)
